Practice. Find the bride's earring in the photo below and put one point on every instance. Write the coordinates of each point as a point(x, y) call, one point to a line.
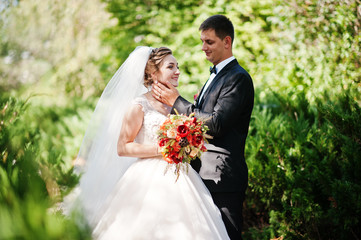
point(154, 78)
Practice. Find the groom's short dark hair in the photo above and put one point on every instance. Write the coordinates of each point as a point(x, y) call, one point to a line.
point(222, 26)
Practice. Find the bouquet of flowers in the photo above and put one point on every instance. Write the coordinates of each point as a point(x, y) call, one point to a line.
point(181, 139)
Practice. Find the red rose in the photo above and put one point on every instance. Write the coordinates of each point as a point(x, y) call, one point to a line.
point(175, 157)
point(197, 140)
point(183, 130)
point(177, 160)
point(163, 142)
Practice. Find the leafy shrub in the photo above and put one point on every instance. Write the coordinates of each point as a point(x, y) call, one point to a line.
point(30, 183)
point(304, 163)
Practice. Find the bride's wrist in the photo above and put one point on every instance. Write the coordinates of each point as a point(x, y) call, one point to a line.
point(157, 150)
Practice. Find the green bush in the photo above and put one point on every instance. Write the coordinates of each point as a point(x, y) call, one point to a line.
point(303, 150)
point(304, 177)
point(30, 180)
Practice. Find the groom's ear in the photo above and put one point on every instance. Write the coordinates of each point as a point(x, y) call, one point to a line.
point(227, 42)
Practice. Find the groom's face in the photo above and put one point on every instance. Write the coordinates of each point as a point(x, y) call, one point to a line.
point(213, 46)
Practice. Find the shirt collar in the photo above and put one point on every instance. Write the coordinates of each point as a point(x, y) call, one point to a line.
point(222, 64)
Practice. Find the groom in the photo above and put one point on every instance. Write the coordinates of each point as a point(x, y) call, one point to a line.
point(227, 101)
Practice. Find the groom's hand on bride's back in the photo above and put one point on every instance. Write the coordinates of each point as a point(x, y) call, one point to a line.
point(165, 93)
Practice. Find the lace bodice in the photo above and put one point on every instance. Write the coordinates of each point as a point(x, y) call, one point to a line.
point(151, 122)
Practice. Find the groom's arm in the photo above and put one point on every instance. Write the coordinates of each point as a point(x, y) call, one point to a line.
point(233, 106)
point(181, 105)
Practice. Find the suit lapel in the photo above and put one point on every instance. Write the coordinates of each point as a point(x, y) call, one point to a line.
point(215, 80)
point(200, 93)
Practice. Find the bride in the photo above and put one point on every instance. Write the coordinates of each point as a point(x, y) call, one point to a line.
point(124, 190)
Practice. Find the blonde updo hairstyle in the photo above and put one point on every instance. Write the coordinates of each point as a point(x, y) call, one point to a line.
point(155, 59)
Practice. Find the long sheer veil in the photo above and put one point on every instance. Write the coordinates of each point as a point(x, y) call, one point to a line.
point(103, 167)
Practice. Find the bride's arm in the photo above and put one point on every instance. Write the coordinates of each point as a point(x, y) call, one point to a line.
point(132, 123)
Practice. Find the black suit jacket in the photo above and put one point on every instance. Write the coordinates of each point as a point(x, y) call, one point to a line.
point(227, 104)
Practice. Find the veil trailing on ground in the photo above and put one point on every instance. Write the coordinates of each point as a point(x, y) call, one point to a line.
point(102, 166)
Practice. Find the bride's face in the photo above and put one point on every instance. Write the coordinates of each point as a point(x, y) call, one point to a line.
point(168, 71)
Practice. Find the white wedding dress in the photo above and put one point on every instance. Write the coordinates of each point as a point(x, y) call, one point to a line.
point(147, 202)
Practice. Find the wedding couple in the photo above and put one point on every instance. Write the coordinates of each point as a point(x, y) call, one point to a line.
point(131, 196)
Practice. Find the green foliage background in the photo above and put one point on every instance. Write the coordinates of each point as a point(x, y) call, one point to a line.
point(304, 144)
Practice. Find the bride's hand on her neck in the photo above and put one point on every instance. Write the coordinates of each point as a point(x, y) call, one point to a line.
point(165, 93)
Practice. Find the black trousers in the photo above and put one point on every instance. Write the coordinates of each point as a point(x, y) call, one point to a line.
point(230, 204)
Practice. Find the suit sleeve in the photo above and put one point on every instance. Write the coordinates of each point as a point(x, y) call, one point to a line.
point(234, 104)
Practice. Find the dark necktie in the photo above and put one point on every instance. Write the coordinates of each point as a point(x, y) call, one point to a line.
point(213, 70)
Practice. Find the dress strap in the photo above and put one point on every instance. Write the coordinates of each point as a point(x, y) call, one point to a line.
point(142, 101)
